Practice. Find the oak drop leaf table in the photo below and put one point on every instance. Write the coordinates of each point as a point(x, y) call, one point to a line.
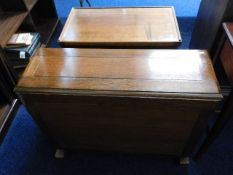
point(152, 101)
point(144, 27)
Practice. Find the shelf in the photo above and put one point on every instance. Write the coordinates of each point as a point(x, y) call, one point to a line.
point(25, 16)
point(30, 3)
point(20, 16)
point(46, 29)
point(9, 23)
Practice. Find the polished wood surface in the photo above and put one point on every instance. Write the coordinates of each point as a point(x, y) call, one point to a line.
point(112, 27)
point(136, 71)
point(127, 100)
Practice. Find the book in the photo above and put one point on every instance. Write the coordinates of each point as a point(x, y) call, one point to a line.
point(20, 39)
point(25, 52)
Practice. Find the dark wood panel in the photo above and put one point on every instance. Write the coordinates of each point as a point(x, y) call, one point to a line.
point(207, 30)
point(228, 27)
point(227, 60)
point(224, 70)
point(46, 28)
point(111, 123)
point(12, 6)
point(7, 80)
point(8, 104)
point(45, 9)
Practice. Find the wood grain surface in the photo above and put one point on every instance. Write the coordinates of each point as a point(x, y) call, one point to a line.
point(181, 72)
point(111, 27)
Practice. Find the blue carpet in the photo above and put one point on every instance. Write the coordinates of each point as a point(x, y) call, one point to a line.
point(183, 8)
point(26, 150)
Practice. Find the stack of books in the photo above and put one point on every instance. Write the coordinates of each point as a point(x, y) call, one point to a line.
point(22, 46)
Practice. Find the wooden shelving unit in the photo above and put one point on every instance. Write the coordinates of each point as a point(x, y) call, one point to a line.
point(26, 16)
point(20, 16)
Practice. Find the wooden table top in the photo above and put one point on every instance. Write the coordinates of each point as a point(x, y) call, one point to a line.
point(134, 72)
point(120, 27)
